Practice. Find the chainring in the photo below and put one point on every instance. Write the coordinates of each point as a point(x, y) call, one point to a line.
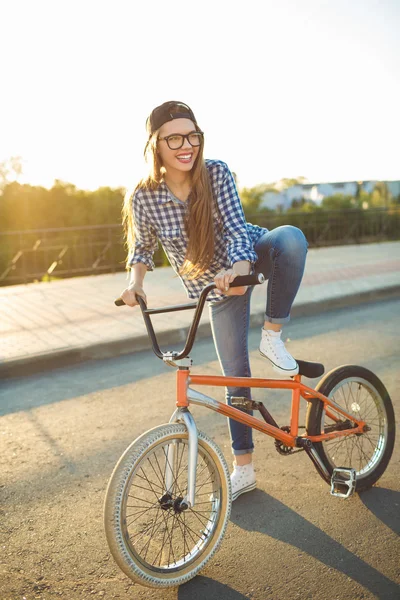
point(281, 448)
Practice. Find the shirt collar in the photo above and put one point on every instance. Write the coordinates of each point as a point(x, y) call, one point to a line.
point(164, 197)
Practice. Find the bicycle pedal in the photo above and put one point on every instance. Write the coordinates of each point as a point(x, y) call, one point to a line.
point(242, 402)
point(343, 482)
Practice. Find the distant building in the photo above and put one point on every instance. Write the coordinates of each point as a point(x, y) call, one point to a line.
point(394, 188)
point(316, 192)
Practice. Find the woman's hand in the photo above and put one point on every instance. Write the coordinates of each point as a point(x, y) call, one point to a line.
point(129, 294)
point(222, 281)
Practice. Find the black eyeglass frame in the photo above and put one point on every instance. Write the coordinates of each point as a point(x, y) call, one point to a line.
point(184, 136)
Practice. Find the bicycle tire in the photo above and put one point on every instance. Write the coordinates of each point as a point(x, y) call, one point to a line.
point(371, 460)
point(149, 449)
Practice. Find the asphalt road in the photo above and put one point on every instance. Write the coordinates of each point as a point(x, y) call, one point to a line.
point(62, 432)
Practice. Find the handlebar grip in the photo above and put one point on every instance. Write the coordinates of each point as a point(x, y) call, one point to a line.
point(120, 302)
point(254, 279)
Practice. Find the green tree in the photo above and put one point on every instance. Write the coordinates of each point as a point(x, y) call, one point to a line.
point(380, 195)
point(252, 197)
point(287, 182)
point(338, 202)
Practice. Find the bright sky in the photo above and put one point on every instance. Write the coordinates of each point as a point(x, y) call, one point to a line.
point(281, 87)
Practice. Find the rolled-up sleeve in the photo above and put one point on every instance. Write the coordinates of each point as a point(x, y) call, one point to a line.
point(235, 232)
point(145, 237)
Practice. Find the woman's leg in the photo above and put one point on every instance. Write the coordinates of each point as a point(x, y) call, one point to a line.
point(230, 324)
point(281, 258)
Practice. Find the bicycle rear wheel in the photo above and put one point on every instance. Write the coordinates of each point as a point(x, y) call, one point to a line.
point(362, 394)
point(151, 539)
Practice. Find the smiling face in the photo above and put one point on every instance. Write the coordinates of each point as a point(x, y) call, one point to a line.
point(183, 159)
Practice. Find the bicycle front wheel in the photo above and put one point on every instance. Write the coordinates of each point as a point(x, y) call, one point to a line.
point(360, 393)
point(152, 540)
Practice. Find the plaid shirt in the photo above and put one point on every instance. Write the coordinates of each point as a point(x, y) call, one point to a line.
point(159, 216)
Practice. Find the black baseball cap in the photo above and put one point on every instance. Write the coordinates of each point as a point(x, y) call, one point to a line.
point(168, 112)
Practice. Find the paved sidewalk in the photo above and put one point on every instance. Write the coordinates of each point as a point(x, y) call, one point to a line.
point(44, 325)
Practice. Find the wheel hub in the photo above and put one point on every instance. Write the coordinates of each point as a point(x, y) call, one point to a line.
point(178, 505)
point(166, 502)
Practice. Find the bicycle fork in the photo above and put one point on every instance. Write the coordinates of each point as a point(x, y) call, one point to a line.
point(184, 415)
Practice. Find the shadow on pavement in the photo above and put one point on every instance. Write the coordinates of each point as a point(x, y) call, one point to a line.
point(385, 505)
point(64, 383)
point(273, 518)
point(201, 588)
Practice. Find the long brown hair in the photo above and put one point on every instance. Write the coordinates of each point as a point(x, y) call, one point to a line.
point(199, 223)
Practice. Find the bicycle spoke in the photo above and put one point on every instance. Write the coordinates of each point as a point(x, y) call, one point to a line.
point(373, 446)
point(142, 500)
point(367, 458)
point(152, 482)
point(205, 483)
point(143, 533)
point(170, 543)
point(198, 518)
point(180, 462)
point(159, 554)
point(172, 471)
point(167, 517)
point(154, 492)
point(160, 479)
point(202, 512)
point(140, 514)
point(196, 533)
point(150, 537)
point(143, 488)
point(366, 415)
point(203, 494)
point(197, 474)
point(183, 531)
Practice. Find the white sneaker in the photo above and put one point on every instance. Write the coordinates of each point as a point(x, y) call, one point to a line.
point(243, 480)
point(272, 347)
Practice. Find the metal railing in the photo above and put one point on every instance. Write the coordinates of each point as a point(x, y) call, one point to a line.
point(40, 254)
point(330, 228)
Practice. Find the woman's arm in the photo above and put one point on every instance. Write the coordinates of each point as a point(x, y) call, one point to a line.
point(141, 257)
point(138, 271)
point(239, 245)
point(240, 248)
point(145, 236)
point(135, 286)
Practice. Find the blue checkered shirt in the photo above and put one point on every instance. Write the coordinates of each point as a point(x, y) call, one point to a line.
point(158, 215)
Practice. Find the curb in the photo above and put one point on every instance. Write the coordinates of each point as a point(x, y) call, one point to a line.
point(31, 365)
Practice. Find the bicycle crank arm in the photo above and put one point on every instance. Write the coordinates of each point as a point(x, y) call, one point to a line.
point(308, 446)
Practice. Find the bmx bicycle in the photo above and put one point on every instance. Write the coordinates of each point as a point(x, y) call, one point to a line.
point(168, 500)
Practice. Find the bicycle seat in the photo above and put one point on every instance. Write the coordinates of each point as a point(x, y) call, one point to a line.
point(310, 369)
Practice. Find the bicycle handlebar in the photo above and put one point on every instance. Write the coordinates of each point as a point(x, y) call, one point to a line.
point(241, 280)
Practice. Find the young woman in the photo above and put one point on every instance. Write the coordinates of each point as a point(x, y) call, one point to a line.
point(192, 206)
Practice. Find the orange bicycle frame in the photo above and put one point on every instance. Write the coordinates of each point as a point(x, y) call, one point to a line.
point(185, 378)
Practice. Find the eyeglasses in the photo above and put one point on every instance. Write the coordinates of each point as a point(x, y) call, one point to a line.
point(176, 140)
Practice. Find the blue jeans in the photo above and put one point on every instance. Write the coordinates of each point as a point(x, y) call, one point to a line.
point(281, 258)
